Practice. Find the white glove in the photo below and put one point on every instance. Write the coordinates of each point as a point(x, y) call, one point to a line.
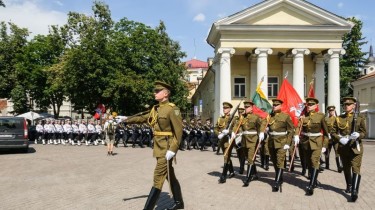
point(286, 147)
point(329, 136)
point(354, 135)
point(169, 155)
point(261, 136)
point(220, 136)
point(296, 139)
point(324, 150)
point(238, 138)
point(344, 140)
point(233, 135)
point(225, 131)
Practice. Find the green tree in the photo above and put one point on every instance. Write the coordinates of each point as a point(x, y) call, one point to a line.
point(140, 56)
point(354, 59)
point(12, 44)
point(2, 3)
point(42, 62)
point(19, 99)
point(87, 60)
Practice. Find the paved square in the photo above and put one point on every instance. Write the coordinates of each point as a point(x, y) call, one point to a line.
point(83, 177)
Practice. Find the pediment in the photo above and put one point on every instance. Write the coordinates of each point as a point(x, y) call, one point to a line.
point(284, 12)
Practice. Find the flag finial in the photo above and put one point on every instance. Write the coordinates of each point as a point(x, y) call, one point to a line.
point(286, 75)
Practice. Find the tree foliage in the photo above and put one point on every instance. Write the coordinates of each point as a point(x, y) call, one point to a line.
point(354, 59)
point(90, 60)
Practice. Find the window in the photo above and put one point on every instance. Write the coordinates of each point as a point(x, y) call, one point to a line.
point(239, 87)
point(273, 87)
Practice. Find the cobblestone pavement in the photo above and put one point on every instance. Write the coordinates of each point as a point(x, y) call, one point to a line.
point(83, 177)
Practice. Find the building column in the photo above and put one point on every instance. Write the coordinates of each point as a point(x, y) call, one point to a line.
point(262, 67)
point(319, 76)
point(225, 87)
point(333, 56)
point(299, 70)
point(216, 111)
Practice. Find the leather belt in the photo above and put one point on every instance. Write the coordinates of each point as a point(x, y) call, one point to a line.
point(249, 132)
point(163, 133)
point(274, 133)
point(311, 134)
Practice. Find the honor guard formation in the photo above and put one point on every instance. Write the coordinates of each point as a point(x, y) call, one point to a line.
point(238, 130)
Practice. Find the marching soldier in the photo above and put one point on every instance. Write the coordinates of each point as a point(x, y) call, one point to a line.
point(39, 131)
point(330, 120)
point(252, 126)
point(281, 131)
point(313, 142)
point(222, 132)
point(206, 133)
point(91, 133)
point(83, 132)
point(191, 133)
point(240, 141)
point(349, 129)
point(99, 132)
point(76, 133)
point(68, 130)
point(165, 119)
point(185, 134)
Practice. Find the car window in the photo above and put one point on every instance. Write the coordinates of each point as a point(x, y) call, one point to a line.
point(11, 124)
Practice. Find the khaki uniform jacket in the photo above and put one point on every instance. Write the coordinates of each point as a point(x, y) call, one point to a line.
point(313, 122)
point(342, 127)
point(330, 121)
point(280, 122)
point(252, 123)
point(164, 117)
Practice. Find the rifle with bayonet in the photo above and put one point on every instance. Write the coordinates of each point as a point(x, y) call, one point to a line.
point(354, 123)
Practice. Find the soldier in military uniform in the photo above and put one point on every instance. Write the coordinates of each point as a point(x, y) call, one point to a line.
point(281, 131)
point(349, 129)
point(313, 141)
point(240, 142)
point(165, 119)
point(206, 133)
point(330, 120)
point(192, 131)
point(252, 127)
point(222, 133)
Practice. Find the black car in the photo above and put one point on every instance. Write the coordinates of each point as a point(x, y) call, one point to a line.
point(14, 133)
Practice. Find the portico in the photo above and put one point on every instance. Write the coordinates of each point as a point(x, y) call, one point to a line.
point(272, 39)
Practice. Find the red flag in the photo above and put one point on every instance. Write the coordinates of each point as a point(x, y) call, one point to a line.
point(259, 112)
point(311, 93)
point(97, 116)
point(101, 107)
point(293, 104)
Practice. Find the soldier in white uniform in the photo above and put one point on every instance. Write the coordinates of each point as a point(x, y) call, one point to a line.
point(99, 131)
point(59, 133)
point(83, 132)
point(39, 131)
point(68, 131)
point(75, 127)
point(91, 133)
point(46, 133)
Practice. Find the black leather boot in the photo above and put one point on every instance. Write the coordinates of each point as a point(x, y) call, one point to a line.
point(249, 174)
point(262, 160)
point(355, 186)
point(327, 159)
point(313, 182)
point(231, 170)
point(267, 162)
point(223, 177)
point(278, 180)
point(242, 165)
point(291, 164)
point(339, 164)
point(152, 199)
point(348, 180)
point(177, 196)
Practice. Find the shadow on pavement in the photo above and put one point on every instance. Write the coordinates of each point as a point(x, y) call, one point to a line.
point(17, 151)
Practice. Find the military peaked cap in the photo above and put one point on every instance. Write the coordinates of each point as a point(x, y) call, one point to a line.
point(248, 103)
point(312, 100)
point(227, 105)
point(159, 85)
point(277, 101)
point(349, 100)
point(331, 108)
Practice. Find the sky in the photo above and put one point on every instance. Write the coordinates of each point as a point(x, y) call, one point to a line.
point(187, 21)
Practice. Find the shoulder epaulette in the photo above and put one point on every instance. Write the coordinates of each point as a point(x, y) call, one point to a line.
point(171, 104)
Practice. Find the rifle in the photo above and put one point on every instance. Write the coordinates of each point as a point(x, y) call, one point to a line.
point(256, 150)
point(295, 147)
point(354, 123)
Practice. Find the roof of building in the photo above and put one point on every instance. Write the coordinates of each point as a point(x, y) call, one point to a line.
point(370, 75)
point(194, 64)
